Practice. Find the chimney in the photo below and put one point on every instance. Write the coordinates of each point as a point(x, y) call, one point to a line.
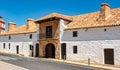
point(104, 11)
point(11, 26)
point(30, 22)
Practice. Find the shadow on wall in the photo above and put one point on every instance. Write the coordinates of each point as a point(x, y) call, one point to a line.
point(90, 36)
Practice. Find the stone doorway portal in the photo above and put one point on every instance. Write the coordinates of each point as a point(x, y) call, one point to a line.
point(50, 51)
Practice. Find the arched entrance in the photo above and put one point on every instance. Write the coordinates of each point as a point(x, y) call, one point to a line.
point(50, 51)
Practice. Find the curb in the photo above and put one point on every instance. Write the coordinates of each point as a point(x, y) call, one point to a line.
point(83, 64)
point(106, 67)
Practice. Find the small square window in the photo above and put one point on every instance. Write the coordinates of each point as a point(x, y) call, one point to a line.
point(75, 33)
point(9, 37)
point(75, 49)
point(30, 36)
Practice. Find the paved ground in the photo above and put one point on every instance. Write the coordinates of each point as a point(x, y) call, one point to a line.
point(40, 64)
point(7, 66)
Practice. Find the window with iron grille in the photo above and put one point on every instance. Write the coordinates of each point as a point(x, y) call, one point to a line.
point(30, 36)
point(75, 33)
point(75, 49)
point(48, 31)
point(9, 37)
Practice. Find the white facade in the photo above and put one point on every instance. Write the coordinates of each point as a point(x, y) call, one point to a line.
point(91, 43)
point(22, 40)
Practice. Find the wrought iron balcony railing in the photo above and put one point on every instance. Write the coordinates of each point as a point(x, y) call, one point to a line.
point(44, 36)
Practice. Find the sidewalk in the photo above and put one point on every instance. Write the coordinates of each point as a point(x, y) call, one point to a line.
point(7, 66)
point(106, 67)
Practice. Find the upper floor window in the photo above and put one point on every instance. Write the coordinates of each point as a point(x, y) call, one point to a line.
point(9, 37)
point(49, 32)
point(30, 36)
point(4, 45)
point(75, 49)
point(75, 33)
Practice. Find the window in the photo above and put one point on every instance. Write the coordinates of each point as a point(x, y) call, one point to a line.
point(49, 32)
point(9, 45)
point(4, 45)
point(9, 37)
point(75, 49)
point(31, 47)
point(75, 33)
point(30, 36)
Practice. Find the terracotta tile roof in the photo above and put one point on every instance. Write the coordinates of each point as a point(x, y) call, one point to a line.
point(77, 22)
point(55, 15)
point(92, 20)
point(22, 30)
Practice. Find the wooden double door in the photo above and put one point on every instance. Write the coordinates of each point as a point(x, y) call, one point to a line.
point(109, 56)
point(63, 51)
point(37, 50)
point(50, 51)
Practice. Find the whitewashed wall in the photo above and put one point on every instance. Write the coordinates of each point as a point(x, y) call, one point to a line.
point(22, 40)
point(62, 27)
point(91, 44)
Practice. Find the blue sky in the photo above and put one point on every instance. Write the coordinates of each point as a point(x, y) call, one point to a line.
point(19, 11)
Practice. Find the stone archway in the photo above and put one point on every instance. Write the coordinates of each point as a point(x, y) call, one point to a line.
point(50, 51)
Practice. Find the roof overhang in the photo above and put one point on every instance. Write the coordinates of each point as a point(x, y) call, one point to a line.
point(54, 16)
point(91, 27)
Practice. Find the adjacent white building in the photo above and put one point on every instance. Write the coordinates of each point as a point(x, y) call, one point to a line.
point(22, 40)
point(94, 37)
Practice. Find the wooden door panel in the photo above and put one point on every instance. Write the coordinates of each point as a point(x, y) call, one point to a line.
point(109, 56)
point(37, 50)
point(63, 51)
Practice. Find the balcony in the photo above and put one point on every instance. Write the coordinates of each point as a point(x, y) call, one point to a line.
point(43, 36)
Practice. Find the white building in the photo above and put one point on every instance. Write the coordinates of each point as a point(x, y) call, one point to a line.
point(94, 37)
point(22, 40)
